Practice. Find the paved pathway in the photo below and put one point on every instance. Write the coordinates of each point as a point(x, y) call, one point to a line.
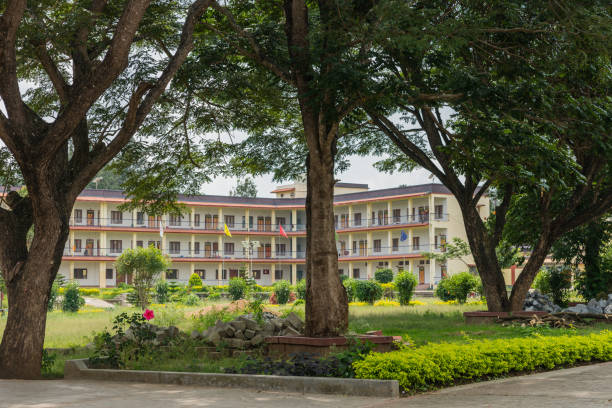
point(583, 387)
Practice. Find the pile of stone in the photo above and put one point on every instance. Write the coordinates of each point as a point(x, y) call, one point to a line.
point(535, 301)
point(595, 306)
point(158, 335)
point(245, 332)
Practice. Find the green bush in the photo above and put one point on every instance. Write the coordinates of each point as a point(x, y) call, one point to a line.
point(349, 286)
point(192, 300)
point(195, 280)
point(282, 290)
point(436, 365)
point(162, 291)
point(383, 275)
point(300, 288)
point(368, 291)
point(237, 288)
point(556, 283)
point(343, 277)
point(405, 283)
point(52, 296)
point(457, 287)
point(73, 300)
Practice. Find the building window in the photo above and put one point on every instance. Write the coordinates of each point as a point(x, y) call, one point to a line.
point(200, 272)
point(196, 248)
point(256, 274)
point(116, 246)
point(443, 271)
point(77, 245)
point(139, 218)
point(228, 248)
point(395, 247)
point(175, 247)
point(230, 220)
point(172, 274)
point(280, 221)
point(377, 245)
point(344, 220)
point(80, 273)
point(340, 271)
point(196, 220)
point(357, 219)
point(355, 273)
point(397, 216)
point(281, 249)
point(415, 243)
point(278, 274)
point(109, 274)
point(438, 211)
point(139, 244)
point(154, 244)
point(78, 216)
point(116, 217)
point(175, 220)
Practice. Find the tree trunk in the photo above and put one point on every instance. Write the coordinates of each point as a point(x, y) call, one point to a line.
point(326, 300)
point(485, 258)
point(528, 274)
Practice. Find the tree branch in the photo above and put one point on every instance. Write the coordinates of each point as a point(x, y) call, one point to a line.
point(56, 77)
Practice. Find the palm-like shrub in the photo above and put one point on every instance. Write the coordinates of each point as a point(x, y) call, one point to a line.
point(405, 283)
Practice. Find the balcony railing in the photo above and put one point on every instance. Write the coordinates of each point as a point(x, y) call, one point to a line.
point(185, 253)
point(390, 251)
point(389, 221)
point(181, 224)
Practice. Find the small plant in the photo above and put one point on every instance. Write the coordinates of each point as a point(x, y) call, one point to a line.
point(48, 361)
point(457, 287)
point(383, 275)
point(192, 300)
point(214, 296)
point(282, 291)
point(162, 291)
point(255, 307)
point(237, 288)
point(53, 294)
point(405, 282)
point(368, 291)
point(556, 283)
point(73, 300)
point(300, 288)
point(195, 280)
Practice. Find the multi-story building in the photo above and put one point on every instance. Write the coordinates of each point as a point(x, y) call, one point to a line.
point(388, 228)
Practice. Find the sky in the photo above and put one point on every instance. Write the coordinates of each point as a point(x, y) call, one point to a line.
point(361, 171)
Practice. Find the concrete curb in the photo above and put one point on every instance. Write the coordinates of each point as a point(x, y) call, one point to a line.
point(77, 369)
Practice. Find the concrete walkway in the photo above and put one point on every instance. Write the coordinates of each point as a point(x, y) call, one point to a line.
point(588, 386)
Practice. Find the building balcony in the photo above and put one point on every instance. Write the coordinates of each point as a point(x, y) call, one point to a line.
point(384, 222)
point(385, 252)
point(204, 255)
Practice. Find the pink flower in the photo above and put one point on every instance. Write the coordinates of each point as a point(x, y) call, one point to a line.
point(148, 314)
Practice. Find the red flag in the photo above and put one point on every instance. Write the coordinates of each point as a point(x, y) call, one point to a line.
point(282, 231)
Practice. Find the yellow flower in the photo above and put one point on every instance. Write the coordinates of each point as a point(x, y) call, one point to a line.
point(386, 303)
point(416, 303)
point(358, 304)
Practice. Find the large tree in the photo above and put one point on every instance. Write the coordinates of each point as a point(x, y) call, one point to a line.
point(316, 57)
point(95, 70)
point(527, 118)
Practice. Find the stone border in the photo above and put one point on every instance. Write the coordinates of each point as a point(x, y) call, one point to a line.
point(77, 369)
point(490, 317)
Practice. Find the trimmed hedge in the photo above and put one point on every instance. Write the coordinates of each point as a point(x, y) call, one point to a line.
point(436, 365)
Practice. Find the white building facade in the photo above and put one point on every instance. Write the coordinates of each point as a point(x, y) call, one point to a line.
point(388, 228)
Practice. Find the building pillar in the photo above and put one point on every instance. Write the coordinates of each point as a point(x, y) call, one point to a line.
point(273, 247)
point(432, 271)
point(103, 214)
point(71, 243)
point(369, 221)
point(390, 242)
point(350, 272)
point(220, 274)
point(369, 269)
point(294, 219)
point(103, 244)
point(370, 247)
point(389, 212)
point(350, 216)
point(220, 243)
point(246, 219)
point(102, 275)
point(192, 251)
point(134, 216)
point(273, 273)
point(409, 215)
point(293, 274)
point(410, 248)
point(71, 270)
point(191, 268)
point(192, 219)
point(163, 244)
point(349, 245)
point(220, 215)
point(273, 222)
point(294, 247)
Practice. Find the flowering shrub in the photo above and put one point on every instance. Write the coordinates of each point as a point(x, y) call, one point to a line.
point(416, 303)
point(358, 304)
point(148, 314)
point(436, 365)
point(386, 303)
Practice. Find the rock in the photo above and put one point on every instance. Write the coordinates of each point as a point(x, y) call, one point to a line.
point(250, 323)
point(268, 329)
point(610, 298)
point(530, 309)
point(161, 335)
point(238, 325)
point(129, 334)
point(249, 334)
point(195, 335)
point(229, 331)
point(278, 324)
point(580, 309)
point(173, 331)
point(214, 338)
point(608, 309)
point(603, 303)
point(239, 335)
point(257, 340)
point(295, 321)
point(291, 332)
point(236, 343)
point(593, 306)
